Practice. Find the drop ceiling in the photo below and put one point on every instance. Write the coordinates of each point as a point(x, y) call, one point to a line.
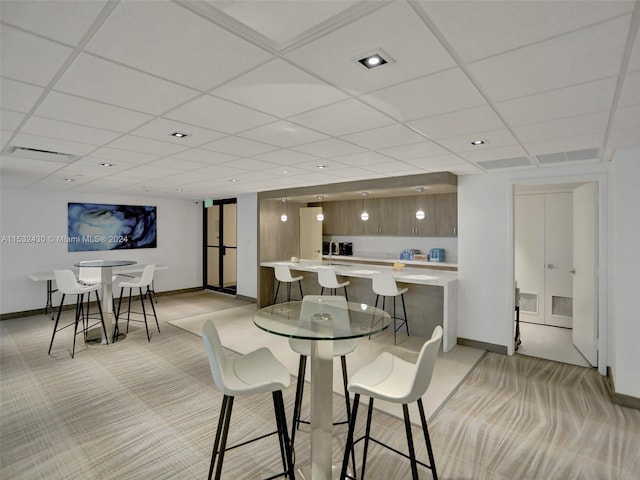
point(267, 91)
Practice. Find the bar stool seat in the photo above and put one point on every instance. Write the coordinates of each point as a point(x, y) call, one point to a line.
point(283, 275)
point(384, 285)
point(327, 279)
point(253, 373)
point(68, 285)
point(394, 380)
point(141, 283)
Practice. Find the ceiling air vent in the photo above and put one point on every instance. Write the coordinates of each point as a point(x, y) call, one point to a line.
point(38, 154)
point(572, 156)
point(505, 163)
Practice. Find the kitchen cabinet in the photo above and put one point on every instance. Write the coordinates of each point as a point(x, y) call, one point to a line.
point(342, 218)
point(405, 216)
point(394, 216)
point(446, 218)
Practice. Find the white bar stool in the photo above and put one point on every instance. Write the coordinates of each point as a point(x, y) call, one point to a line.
point(384, 285)
point(394, 380)
point(68, 285)
point(327, 279)
point(253, 373)
point(337, 306)
point(283, 275)
point(144, 282)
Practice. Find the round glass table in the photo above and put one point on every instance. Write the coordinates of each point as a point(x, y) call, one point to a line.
point(321, 320)
point(106, 274)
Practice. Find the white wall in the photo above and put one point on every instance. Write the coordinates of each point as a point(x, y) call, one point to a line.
point(625, 309)
point(27, 212)
point(247, 245)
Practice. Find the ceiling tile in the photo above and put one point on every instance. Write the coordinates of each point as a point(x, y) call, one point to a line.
point(415, 150)
point(220, 115)
point(222, 171)
point(574, 58)
point(118, 155)
point(571, 126)
point(634, 60)
point(250, 164)
point(440, 162)
point(97, 79)
point(627, 117)
point(278, 88)
point(464, 23)
point(456, 123)
point(385, 137)
point(10, 120)
point(494, 138)
point(439, 93)
point(624, 138)
point(162, 128)
point(169, 41)
point(566, 102)
point(282, 21)
point(174, 163)
point(365, 159)
point(204, 156)
point(69, 108)
point(396, 29)
point(34, 168)
point(239, 146)
point(343, 118)
point(146, 145)
point(68, 131)
point(65, 21)
point(396, 169)
point(45, 57)
point(630, 94)
point(283, 134)
point(508, 151)
point(331, 147)
point(18, 96)
point(285, 157)
point(566, 144)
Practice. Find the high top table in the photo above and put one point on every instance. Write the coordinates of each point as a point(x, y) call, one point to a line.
point(284, 319)
point(106, 272)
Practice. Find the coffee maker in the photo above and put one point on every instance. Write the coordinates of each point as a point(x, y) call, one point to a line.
point(345, 249)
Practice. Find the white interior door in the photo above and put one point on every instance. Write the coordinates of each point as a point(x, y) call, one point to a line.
point(310, 234)
point(559, 259)
point(585, 293)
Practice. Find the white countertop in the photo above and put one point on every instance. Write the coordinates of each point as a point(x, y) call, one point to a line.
point(391, 261)
point(419, 276)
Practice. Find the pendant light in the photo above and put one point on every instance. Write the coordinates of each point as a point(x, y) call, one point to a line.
point(320, 216)
point(364, 216)
point(420, 215)
point(283, 217)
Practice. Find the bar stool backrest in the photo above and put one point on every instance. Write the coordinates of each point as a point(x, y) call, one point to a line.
point(90, 275)
point(383, 283)
point(67, 283)
point(424, 366)
point(327, 278)
point(147, 275)
point(217, 359)
point(283, 274)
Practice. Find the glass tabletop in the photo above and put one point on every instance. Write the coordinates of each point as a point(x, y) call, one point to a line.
point(105, 263)
point(321, 319)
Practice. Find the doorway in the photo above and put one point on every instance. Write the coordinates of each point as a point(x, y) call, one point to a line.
point(220, 227)
point(555, 245)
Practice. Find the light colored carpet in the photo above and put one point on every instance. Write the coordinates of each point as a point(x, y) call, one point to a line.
point(238, 333)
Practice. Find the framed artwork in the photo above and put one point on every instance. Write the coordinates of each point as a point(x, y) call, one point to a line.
point(97, 226)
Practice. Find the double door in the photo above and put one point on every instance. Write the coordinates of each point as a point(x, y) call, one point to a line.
point(221, 246)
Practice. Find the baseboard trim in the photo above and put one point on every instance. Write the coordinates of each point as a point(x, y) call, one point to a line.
point(621, 399)
point(246, 299)
point(490, 347)
point(40, 311)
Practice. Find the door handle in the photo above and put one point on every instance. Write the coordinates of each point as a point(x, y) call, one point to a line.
point(550, 266)
point(573, 270)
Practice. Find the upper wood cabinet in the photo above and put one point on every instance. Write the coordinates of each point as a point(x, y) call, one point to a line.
point(446, 215)
point(393, 216)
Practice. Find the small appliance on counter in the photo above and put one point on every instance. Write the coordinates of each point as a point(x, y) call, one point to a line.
point(409, 254)
point(325, 248)
point(436, 255)
point(345, 249)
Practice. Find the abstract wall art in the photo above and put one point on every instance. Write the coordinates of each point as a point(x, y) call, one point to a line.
point(97, 226)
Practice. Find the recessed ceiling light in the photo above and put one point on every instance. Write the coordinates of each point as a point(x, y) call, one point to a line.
point(179, 134)
point(69, 179)
point(478, 142)
point(373, 60)
point(178, 189)
point(285, 172)
point(234, 180)
point(321, 166)
point(105, 164)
